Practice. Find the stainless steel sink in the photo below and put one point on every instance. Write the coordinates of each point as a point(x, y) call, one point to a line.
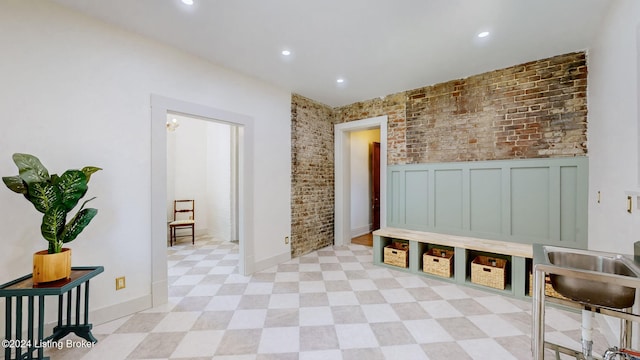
point(601, 291)
point(593, 281)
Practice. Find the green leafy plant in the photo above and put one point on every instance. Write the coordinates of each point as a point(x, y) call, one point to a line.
point(54, 196)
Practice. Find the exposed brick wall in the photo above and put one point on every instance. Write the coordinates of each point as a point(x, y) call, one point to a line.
point(532, 110)
point(394, 106)
point(312, 177)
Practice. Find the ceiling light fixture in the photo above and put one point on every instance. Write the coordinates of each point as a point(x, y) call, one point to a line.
point(172, 125)
point(187, 2)
point(286, 52)
point(340, 80)
point(483, 34)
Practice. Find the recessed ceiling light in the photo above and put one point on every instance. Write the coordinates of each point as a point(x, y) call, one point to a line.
point(340, 80)
point(483, 34)
point(187, 2)
point(286, 52)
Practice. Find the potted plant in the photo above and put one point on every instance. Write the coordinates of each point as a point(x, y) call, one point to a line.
point(54, 196)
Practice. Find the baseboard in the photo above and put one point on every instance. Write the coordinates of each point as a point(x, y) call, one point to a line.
point(272, 261)
point(109, 313)
point(159, 292)
point(359, 231)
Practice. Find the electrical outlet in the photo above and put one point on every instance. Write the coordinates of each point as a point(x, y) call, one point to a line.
point(286, 239)
point(120, 283)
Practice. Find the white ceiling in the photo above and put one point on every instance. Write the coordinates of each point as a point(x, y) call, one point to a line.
point(378, 46)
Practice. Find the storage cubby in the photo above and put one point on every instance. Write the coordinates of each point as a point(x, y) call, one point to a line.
point(465, 250)
point(501, 266)
point(438, 260)
point(396, 254)
point(380, 243)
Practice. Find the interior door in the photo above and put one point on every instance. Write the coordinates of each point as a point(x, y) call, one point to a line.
point(375, 185)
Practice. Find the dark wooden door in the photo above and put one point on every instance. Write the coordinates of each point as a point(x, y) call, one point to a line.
point(375, 185)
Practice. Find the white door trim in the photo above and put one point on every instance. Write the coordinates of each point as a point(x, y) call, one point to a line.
point(342, 162)
point(159, 107)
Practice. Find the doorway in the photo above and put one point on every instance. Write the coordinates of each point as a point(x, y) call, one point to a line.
point(364, 184)
point(343, 224)
point(202, 165)
point(160, 107)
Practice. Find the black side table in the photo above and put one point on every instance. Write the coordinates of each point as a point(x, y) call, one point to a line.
point(16, 290)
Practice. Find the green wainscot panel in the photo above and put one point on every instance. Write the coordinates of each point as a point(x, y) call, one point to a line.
point(417, 205)
point(448, 199)
point(525, 201)
point(395, 199)
point(568, 203)
point(485, 200)
point(530, 202)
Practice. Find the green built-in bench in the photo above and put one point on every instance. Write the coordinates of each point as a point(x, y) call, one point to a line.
point(465, 250)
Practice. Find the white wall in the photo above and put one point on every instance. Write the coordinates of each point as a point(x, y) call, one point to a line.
point(613, 129)
point(361, 220)
point(218, 197)
point(199, 168)
point(76, 92)
point(189, 170)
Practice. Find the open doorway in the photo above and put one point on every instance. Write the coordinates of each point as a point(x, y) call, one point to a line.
point(160, 108)
point(343, 174)
point(365, 185)
point(202, 166)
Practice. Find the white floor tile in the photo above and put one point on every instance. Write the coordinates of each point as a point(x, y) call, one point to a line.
point(312, 287)
point(115, 347)
point(397, 296)
point(204, 290)
point(334, 275)
point(362, 285)
point(313, 316)
point(356, 336)
point(280, 340)
point(177, 321)
point(287, 276)
point(220, 303)
point(494, 325)
point(449, 292)
point(440, 309)
point(413, 352)
point(339, 298)
point(427, 331)
point(379, 313)
point(321, 355)
point(485, 349)
point(284, 301)
point(247, 319)
point(497, 304)
point(198, 344)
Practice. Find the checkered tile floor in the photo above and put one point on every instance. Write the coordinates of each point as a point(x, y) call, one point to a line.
point(330, 304)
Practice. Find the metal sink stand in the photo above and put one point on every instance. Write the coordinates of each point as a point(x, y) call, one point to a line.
point(539, 299)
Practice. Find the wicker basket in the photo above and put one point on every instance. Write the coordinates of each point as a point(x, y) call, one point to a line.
point(489, 271)
point(438, 262)
point(548, 288)
point(397, 254)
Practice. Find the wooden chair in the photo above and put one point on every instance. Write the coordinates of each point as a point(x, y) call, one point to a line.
point(182, 207)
